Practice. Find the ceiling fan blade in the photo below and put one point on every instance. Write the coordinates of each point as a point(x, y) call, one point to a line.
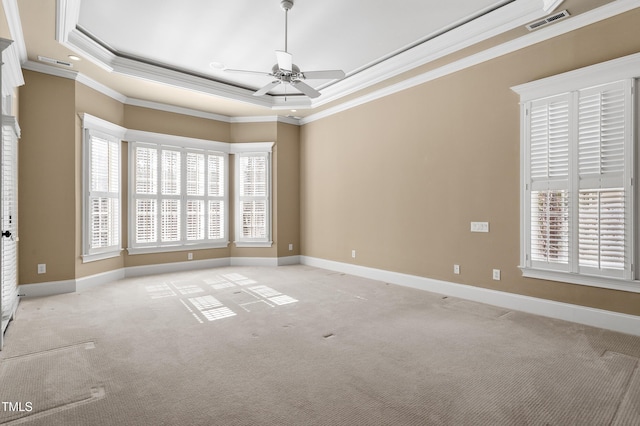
point(247, 72)
point(306, 89)
point(285, 60)
point(266, 88)
point(328, 74)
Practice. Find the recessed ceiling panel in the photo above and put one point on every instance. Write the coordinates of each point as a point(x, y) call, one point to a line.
point(243, 34)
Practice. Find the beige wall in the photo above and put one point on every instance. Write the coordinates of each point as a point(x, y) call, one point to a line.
point(400, 179)
point(50, 188)
point(287, 190)
point(47, 178)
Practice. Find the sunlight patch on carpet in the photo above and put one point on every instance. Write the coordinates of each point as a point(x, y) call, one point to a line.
point(208, 307)
point(159, 291)
point(219, 313)
point(282, 300)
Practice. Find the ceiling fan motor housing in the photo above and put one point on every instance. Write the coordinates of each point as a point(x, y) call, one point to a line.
point(286, 4)
point(287, 76)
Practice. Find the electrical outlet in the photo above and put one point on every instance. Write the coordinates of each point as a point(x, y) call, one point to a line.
point(189, 256)
point(353, 254)
point(42, 268)
point(496, 274)
point(456, 269)
point(290, 247)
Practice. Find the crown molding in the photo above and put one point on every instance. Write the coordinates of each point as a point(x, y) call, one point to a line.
point(49, 70)
point(12, 72)
point(16, 52)
point(551, 5)
point(12, 15)
point(267, 119)
point(76, 76)
point(507, 17)
point(434, 46)
point(562, 27)
point(105, 90)
point(177, 110)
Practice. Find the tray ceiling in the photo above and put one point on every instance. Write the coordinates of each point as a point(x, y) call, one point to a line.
point(165, 51)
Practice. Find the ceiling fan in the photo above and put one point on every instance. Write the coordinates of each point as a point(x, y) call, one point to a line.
point(286, 72)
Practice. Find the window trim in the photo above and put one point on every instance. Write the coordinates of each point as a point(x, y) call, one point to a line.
point(93, 126)
point(625, 68)
point(184, 145)
point(246, 149)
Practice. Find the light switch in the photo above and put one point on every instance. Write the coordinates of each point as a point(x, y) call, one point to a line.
point(479, 226)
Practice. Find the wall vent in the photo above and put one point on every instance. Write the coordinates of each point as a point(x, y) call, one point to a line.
point(548, 20)
point(55, 61)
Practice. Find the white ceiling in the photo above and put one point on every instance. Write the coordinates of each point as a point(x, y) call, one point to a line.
point(162, 50)
point(243, 34)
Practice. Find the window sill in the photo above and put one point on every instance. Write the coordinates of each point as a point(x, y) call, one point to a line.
point(176, 248)
point(253, 243)
point(581, 279)
point(86, 258)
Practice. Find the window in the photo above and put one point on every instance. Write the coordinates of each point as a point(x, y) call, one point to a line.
point(578, 161)
point(101, 206)
point(179, 196)
point(253, 195)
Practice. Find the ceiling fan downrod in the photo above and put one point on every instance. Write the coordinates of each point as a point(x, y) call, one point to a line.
point(286, 5)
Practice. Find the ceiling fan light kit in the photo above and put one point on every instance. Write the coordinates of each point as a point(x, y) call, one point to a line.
point(286, 72)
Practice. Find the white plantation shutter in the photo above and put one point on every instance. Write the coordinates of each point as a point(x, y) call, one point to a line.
point(603, 148)
point(578, 167)
point(253, 175)
point(171, 173)
point(146, 170)
point(549, 133)
point(170, 202)
point(548, 186)
point(216, 219)
point(196, 174)
point(103, 198)
point(146, 221)
point(180, 197)
point(195, 219)
point(254, 219)
point(8, 192)
point(146, 191)
point(550, 226)
point(253, 197)
point(602, 229)
point(170, 220)
point(216, 196)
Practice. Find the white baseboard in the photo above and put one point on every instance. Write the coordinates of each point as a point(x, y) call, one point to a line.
point(254, 261)
point(615, 321)
point(85, 283)
point(69, 286)
point(288, 260)
point(167, 268)
point(624, 323)
point(47, 288)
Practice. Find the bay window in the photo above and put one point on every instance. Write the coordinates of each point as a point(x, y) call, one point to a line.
point(178, 195)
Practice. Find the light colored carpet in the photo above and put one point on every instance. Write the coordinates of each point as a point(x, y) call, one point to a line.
point(297, 345)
